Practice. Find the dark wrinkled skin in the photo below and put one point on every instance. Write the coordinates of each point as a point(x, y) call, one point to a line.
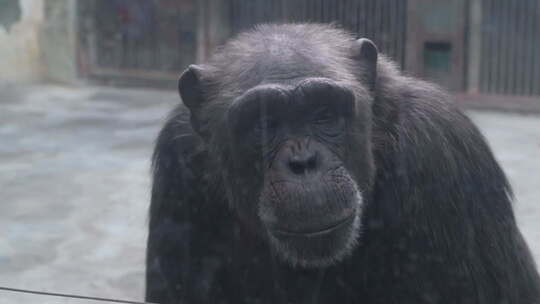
point(260, 196)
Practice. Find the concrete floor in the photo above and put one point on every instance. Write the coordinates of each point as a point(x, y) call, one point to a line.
point(74, 186)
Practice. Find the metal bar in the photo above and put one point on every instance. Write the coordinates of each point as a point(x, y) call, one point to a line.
point(485, 59)
point(529, 40)
point(499, 14)
point(506, 45)
point(474, 46)
point(404, 4)
point(515, 42)
point(521, 48)
point(535, 79)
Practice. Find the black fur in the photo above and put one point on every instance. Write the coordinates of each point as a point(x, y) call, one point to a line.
point(437, 226)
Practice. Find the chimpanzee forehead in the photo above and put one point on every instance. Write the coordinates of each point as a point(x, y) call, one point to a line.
point(279, 63)
point(285, 73)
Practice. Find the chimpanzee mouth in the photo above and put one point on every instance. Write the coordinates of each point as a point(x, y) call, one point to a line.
point(328, 229)
point(315, 225)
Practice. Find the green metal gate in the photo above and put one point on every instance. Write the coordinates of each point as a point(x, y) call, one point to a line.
point(510, 61)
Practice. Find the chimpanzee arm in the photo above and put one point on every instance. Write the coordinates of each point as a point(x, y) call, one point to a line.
point(176, 267)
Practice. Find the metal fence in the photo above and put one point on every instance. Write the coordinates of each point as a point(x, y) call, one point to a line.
point(122, 41)
point(155, 39)
point(383, 21)
point(137, 38)
point(510, 61)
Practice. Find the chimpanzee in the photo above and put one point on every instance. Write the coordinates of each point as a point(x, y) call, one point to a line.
point(303, 167)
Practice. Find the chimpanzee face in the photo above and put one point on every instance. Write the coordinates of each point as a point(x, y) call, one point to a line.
point(296, 140)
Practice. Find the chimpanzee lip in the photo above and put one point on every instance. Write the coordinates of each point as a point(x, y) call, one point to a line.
point(336, 225)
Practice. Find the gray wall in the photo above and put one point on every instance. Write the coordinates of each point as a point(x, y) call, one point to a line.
point(20, 59)
point(58, 41)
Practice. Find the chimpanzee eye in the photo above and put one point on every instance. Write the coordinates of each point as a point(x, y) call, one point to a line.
point(324, 116)
point(328, 122)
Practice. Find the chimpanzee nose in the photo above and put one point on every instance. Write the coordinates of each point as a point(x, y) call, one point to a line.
point(303, 163)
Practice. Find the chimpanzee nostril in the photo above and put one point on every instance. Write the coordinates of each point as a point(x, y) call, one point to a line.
point(297, 167)
point(301, 165)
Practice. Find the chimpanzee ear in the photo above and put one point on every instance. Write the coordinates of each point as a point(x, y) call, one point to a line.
point(190, 86)
point(365, 52)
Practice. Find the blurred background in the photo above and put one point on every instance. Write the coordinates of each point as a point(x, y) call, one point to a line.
point(86, 84)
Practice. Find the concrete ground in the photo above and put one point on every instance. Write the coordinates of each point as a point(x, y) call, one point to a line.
point(74, 186)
